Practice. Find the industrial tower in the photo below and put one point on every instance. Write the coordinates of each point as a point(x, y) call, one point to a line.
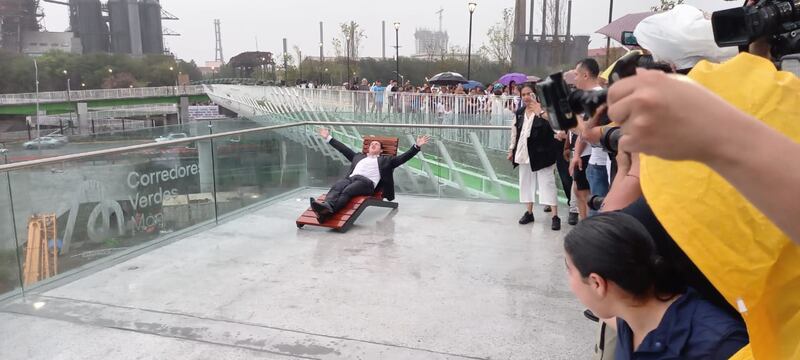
point(219, 57)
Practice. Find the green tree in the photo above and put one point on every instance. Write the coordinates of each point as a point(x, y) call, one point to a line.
point(91, 70)
point(500, 35)
point(351, 31)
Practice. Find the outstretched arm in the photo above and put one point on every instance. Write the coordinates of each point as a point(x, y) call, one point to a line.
point(677, 120)
point(404, 157)
point(342, 148)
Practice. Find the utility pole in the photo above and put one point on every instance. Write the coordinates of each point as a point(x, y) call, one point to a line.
point(285, 63)
point(608, 39)
point(383, 39)
point(321, 44)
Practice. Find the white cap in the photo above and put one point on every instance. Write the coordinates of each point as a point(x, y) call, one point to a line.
point(682, 36)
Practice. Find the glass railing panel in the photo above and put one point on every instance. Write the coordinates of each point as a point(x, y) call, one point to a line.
point(104, 207)
point(257, 166)
point(136, 132)
point(10, 276)
point(474, 167)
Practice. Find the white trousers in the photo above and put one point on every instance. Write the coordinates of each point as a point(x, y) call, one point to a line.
point(544, 180)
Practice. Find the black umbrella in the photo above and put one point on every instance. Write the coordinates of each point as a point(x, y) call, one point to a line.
point(447, 78)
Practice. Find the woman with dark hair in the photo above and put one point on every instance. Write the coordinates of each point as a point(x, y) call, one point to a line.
point(615, 271)
point(533, 149)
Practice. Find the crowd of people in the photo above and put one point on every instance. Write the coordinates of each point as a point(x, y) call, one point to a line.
point(440, 99)
point(649, 289)
point(628, 260)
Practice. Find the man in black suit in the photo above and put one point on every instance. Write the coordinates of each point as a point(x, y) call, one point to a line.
point(367, 172)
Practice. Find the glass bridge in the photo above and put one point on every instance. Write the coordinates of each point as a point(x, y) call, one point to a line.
point(188, 248)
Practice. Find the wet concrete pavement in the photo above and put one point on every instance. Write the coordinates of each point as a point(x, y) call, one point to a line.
point(436, 279)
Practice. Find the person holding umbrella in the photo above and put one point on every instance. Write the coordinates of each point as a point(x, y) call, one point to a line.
point(533, 149)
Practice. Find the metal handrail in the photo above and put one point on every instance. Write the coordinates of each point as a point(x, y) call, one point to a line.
point(90, 154)
point(100, 94)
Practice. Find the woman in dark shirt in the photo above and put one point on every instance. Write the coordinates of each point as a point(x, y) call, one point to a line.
point(615, 271)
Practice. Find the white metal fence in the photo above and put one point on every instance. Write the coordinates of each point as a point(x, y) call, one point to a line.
point(101, 94)
point(376, 107)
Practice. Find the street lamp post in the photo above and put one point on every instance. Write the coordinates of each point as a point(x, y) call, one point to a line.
point(285, 68)
point(397, 50)
point(347, 46)
point(472, 5)
point(321, 62)
point(300, 64)
point(69, 101)
point(36, 75)
point(263, 74)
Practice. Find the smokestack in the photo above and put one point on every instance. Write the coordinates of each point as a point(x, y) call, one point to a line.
point(519, 20)
point(557, 20)
point(530, 27)
point(569, 17)
point(544, 18)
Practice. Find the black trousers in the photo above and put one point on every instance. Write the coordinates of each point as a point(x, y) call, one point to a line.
point(563, 172)
point(346, 189)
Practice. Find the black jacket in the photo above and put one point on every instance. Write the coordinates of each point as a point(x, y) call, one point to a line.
point(543, 148)
point(386, 165)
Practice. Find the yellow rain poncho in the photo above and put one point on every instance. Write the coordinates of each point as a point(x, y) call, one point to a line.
point(747, 258)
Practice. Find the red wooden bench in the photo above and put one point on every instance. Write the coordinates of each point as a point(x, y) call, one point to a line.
point(344, 219)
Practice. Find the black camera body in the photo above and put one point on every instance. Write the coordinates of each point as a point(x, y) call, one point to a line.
point(564, 105)
point(777, 19)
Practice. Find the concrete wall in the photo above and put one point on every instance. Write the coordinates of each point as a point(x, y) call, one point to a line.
point(533, 55)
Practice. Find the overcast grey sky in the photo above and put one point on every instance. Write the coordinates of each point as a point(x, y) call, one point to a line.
point(298, 21)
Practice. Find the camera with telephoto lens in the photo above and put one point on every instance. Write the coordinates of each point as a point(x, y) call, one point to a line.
point(778, 20)
point(563, 105)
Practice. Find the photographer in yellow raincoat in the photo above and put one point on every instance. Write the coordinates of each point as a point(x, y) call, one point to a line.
point(734, 207)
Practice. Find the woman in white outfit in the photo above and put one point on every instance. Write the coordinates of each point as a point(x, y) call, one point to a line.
point(534, 149)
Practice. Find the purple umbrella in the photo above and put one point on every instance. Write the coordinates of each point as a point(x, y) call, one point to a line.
point(515, 77)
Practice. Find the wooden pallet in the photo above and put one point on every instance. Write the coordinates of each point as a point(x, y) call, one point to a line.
point(39, 263)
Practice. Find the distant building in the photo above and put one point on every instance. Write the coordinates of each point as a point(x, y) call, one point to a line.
point(37, 43)
point(601, 52)
point(431, 43)
point(210, 68)
point(16, 17)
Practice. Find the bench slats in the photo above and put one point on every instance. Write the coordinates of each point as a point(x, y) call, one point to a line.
point(345, 218)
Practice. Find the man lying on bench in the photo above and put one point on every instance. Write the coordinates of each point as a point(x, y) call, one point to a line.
point(367, 171)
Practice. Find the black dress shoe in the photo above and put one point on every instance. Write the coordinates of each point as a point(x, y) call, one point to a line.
point(526, 219)
point(556, 223)
point(573, 218)
point(321, 209)
point(548, 208)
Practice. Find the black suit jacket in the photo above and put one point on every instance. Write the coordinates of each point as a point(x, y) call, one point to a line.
point(543, 148)
point(386, 165)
